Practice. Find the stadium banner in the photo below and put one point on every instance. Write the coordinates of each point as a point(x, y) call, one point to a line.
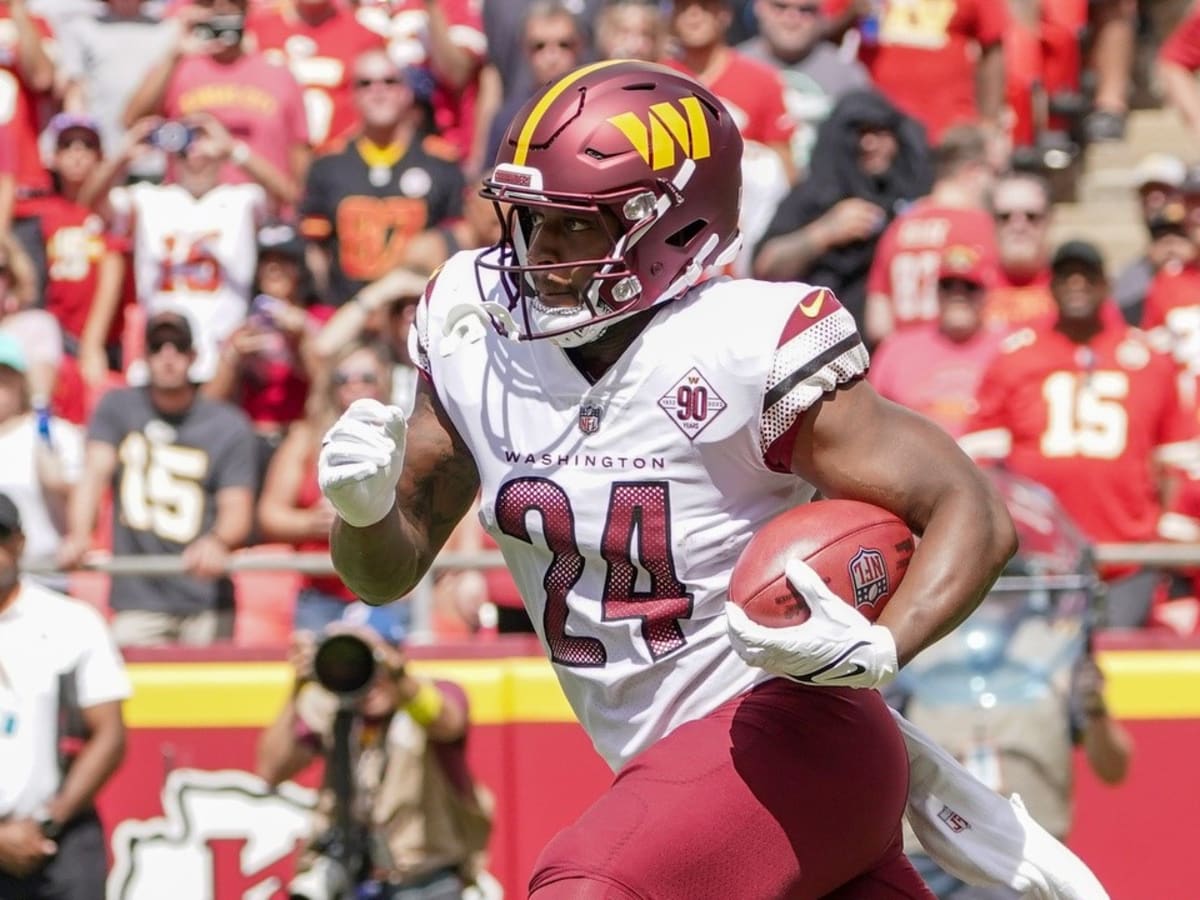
point(188, 820)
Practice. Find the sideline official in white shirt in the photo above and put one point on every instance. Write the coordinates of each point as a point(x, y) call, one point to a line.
point(57, 663)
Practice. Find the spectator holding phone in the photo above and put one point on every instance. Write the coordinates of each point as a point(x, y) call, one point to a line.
point(193, 237)
point(265, 365)
point(210, 69)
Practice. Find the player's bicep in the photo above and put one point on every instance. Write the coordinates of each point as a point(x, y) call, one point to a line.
point(439, 480)
point(855, 444)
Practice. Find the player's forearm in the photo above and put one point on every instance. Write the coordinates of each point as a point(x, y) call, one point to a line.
point(966, 541)
point(381, 562)
point(281, 187)
point(147, 100)
point(279, 756)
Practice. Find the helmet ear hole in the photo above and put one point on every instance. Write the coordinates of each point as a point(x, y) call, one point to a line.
point(684, 235)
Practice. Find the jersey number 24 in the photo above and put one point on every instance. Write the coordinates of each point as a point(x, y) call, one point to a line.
point(636, 510)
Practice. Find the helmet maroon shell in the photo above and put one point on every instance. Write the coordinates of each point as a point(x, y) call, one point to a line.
point(651, 146)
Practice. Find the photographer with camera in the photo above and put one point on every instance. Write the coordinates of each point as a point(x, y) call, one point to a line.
point(399, 817)
point(211, 69)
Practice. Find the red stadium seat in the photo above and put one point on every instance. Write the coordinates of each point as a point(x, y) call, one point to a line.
point(91, 588)
point(265, 601)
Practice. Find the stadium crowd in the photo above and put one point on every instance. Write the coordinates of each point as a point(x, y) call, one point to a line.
point(217, 218)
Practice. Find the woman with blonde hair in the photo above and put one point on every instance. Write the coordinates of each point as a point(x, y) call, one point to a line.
point(291, 508)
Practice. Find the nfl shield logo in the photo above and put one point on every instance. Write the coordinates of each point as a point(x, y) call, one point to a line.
point(589, 417)
point(868, 576)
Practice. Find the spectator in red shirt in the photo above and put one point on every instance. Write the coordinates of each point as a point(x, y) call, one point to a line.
point(318, 40)
point(291, 508)
point(258, 102)
point(265, 365)
point(902, 287)
point(1021, 208)
point(942, 63)
point(752, 91)
point(26, 77)
point(86, 263)
point(935, 367)
point(1084, 405)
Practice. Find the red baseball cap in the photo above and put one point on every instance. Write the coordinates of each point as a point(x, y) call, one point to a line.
point(965, 263)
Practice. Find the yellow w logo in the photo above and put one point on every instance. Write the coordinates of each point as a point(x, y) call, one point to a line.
point(668, 128)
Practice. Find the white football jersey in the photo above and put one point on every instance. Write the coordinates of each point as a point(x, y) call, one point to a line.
point(194, 253)
point(621, 506)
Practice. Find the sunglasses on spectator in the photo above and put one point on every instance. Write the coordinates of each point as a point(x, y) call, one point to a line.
point(1004, 216)
point(389, 80)
point(156, 346)
point(89, 143)
point(803, 9)
point(341, 379)
point(539, 46)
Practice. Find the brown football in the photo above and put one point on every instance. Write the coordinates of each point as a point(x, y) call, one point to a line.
point(860, 550)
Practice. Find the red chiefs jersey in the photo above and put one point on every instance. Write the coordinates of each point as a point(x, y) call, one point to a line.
point(76, 241)
point(1182, 47)
point(1173, 300)
point(753, 94)
point(923, 58)
point(909, 254)
point(321, 58)
point(1087, 421)
point(19, 113)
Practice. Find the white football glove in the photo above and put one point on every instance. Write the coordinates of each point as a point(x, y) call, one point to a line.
point(360, 461)
point(835, 646)
point(981, 838)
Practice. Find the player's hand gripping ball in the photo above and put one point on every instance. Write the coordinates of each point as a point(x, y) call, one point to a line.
point(859, 550)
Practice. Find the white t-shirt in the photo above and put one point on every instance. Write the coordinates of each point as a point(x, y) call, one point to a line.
point(195, 254)
point(18, 477)
point(621, 506)
point(44, 634)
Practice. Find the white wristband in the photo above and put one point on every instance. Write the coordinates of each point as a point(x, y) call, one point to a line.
point(239, 155)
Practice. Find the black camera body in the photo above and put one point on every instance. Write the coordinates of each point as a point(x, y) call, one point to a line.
point(226, 29)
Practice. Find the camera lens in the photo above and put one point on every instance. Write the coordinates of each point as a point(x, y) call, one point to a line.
point(172, 137)
point(344, 664)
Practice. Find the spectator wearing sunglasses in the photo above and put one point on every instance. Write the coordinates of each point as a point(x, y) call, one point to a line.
point(181, 468)
point(211, 68)
point(791, 39)
point(1020, 207)
point(292, 508)
point(554, 45)
point(392, 181)
point(86, 262)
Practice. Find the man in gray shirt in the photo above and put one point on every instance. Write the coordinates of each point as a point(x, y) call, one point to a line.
point(815, 76)
point(104, 55)
point(182, 470)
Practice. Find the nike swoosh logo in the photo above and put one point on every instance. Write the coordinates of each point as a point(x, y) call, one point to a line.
point(811, 306)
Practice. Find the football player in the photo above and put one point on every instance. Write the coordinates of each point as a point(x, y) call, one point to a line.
point(631, 419)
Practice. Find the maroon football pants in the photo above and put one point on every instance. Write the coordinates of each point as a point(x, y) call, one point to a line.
point(784, 792)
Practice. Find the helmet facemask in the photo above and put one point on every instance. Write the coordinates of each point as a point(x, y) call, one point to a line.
point(615, 290)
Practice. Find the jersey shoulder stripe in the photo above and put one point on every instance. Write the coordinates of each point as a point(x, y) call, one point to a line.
point(818, 350)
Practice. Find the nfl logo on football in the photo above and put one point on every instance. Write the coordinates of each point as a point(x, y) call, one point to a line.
point(868, 575)
point(589, 417)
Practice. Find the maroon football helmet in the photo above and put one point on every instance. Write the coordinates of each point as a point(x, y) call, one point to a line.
point(647, 145)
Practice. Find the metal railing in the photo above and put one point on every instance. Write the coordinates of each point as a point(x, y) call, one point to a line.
point(1161, 555)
